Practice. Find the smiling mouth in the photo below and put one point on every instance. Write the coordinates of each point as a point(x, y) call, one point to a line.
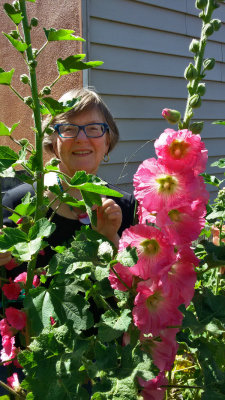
point(82, 153)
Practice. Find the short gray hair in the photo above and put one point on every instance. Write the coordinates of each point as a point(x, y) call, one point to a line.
point(88, 99)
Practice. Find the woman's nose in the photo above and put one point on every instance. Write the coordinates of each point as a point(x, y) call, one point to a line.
point(81, 135)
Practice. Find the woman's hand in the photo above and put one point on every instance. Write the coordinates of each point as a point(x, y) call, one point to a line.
point(109, 219)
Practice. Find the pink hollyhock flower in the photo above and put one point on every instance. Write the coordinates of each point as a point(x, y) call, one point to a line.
point(23, 278)
point(181, 151)
point(152, 389)
point(154, 309)
point(186, 254)
point(9, 351)
point(145, 216)
point(183, 223)
point(11, 290)
point(156, 186)
point(154, 252)
point(180, 282)
point(13, 381)
point(163, 350)
point(124, 273)
point(11, 264)
point(16, 318)
point(5, 329)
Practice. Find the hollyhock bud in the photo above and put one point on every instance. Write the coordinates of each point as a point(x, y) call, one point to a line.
point(13, 381)
point(172, 116)
point(24, 78)
point(34, 21)
point(216, 24)
point(209, 63)
point(194, 46)
point(195, 101)
point(11, 264)
point(196, 127)
point(201, 4)
point(190, 72)
point(207, 30)
point(201, 89)
point(16, 318)
point(20, 221)
point(11, 290)
point(52, 321)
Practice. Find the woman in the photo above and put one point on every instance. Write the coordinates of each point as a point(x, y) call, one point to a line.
point(82, 138)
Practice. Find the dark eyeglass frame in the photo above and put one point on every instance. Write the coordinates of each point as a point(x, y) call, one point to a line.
point(82, 127)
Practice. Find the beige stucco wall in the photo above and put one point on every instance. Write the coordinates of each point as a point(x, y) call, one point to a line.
point(50, 13)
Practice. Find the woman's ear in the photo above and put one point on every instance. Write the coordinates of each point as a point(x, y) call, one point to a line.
point(54, 147)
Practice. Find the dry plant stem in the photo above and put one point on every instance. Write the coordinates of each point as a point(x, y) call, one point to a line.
point(18, 397)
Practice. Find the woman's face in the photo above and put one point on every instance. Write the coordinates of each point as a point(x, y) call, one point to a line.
point(82, 153)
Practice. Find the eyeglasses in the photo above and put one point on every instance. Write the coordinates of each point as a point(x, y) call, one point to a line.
point(72, 131)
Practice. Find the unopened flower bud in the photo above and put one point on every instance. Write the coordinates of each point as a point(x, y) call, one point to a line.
point(24, 78)
point(16, 5)
point(194, 46)
point(34, 21)
point(46, 90)
point(34, 52)
point(196, 127)
point(172, 116)
point(208, 30)
point(190, 72)
point(52, 321)
point(14, 34)
point(32, 64)
point(195, 101)
point(208, 63)
point(54, 162)
point(28, 100)
point(201, 4)
point(201, 89)
point(20, 221)
point(216, 23)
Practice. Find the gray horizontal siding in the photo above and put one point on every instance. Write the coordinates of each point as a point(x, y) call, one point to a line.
point(145, 48)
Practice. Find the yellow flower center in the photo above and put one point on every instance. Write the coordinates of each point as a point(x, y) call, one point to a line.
point(174, 215)
point(179, 149)
point(153, 300)
point(150, 246)
point(167, 184)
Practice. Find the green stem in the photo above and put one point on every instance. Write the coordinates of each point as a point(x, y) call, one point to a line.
point(30, 274)
point(15, 91)
point(54, 82)
point(12, 211)
point(36, 113)
point(1, 213)
point(42, 48)
point(198, 65)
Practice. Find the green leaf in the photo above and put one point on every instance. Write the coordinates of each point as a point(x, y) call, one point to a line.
point(61, 34)
point(5, 131)
point(73, 64)
point(5, 397)
point(54, 107)
point(11, 237)
point(208, 306)
point(31, 1)
point(16, 43)
point(212, 180)
point(218, 122)
point(212, 395)
point(113, 325)
point(215, 215)
point(220, 163)
point(60, 303)
point(42, 228)
point(91, 187)
point(91, 199)
point(7, 157)
point(26, 250)
point(8, 173)
point(106, 356)
point(128, 256)
point(6, 77)
point(15, 16)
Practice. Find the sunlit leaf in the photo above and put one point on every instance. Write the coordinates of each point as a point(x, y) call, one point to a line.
point(5, 131)
point(54, 107)
point(16, 43)
point(220, 163)
point(6, 77)
point(15, 16)
point(73, 64)
point(7, 157)
point(61, 34)
point(218, 122)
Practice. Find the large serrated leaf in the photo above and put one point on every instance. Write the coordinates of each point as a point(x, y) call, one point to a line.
point(73, 64)
point(6, 77)
point(21, 47)
point(5, 131)
point(113, 325)
point(61, 34)
point(14, 15)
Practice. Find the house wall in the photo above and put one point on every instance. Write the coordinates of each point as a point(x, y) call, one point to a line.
point(51, 13)
point(145, 48)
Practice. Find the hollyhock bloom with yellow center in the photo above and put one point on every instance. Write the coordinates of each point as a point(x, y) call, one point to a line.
point(156, 186)
point(153, 390)
point(183, 223)
point(181, 150)
point(154, 309)
point(155, 254)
